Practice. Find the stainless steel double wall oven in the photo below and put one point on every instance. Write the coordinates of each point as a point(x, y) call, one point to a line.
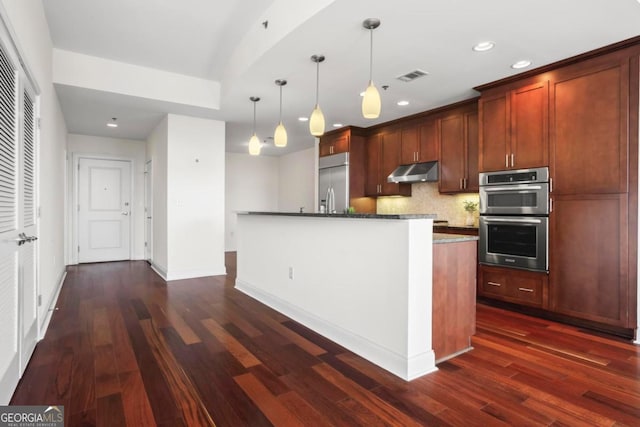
point(514, 219)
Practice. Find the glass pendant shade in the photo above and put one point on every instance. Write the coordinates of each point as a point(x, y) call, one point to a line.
point(254, 145)
point(371, 103)
point(280, 136)
point(316, 122)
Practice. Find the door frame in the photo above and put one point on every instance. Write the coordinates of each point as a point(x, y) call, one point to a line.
point(148, 211)
point(75, 225)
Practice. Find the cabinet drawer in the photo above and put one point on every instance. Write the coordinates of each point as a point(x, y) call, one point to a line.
point(520, 287)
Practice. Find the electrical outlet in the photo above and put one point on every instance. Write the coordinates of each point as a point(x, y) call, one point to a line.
point(291, 273)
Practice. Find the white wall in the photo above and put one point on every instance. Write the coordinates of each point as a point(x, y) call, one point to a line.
point(252, 184)
point(117, 149)
point(297, 173)
point(195, 197)
point(31, 30)
point(157, 154)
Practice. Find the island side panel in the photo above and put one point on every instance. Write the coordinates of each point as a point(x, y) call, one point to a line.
point(352, 280)
point(454, 297)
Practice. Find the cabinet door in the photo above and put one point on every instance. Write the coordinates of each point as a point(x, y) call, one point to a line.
point(374, 148)
point(452, 154)
point(529, 126)
point(428, 148)
point(472, 182)
point(494, 133)
point(589, 276)
point(324, 148)
point(334, 143)
point(389, 161)
point(589, 130)
point(409, 145)
point(341, 143)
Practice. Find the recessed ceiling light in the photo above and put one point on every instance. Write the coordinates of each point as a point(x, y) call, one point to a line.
point(521, 64)
point(112, 123)
point(484, 46)
point(403, 103)
point(337, 125)
point(303, 119)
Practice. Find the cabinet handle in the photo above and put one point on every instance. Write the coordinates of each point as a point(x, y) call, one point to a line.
point(464, 183)
point(550, 204)
point(506, 160)
point(512, 162)
point(461, 184)
point(525, 289)
point(550, 185)
point(494, 284)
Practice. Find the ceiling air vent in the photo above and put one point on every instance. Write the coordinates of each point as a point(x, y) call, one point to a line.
point(415, 74)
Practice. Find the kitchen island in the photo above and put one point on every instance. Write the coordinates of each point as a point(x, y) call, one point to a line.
point(364, 281)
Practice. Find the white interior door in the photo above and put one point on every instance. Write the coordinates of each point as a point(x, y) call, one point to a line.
point(148, 212)
point(18, 285)
point(104, 210)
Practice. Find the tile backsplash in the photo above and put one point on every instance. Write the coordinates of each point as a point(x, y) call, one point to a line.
point(425, 199)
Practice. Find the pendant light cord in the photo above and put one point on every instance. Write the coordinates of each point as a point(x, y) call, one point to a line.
point(280, 103)
point(371, 55)
point(254, 117)
point(317, 81)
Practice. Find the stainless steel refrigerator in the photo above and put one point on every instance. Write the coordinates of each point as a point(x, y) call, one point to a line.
point(333, 183)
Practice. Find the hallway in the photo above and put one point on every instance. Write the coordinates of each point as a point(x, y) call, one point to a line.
point(125, 348)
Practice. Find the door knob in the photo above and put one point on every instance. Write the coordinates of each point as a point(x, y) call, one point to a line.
point(125, 213)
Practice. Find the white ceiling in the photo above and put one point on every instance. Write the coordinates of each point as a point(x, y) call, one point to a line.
point(226, 41)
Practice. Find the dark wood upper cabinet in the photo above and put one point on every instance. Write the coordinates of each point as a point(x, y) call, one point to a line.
point(383, 156)
point(410, 145)
point(589, 129)
point(458, 136)
point(334, 143)
point(514, 128)
point(419, 142)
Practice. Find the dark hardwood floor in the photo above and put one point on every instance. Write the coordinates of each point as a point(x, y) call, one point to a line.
point(125, 348)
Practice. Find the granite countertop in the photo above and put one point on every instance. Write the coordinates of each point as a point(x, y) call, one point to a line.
point(451, 238)
point(342, 215)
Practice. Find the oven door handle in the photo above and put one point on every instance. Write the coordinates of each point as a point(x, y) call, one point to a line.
point(512, 187)
point(519, 220)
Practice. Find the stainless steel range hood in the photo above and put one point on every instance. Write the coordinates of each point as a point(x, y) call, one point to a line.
point(417, 172)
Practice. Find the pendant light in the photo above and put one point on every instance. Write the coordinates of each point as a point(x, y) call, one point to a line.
point(254, 142)
point(371, 103)
point(280, 135)
point(316, 122)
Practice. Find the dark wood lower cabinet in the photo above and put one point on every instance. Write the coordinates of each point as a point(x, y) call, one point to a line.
point(454, 297)
point(589, 263)
point(512, 285)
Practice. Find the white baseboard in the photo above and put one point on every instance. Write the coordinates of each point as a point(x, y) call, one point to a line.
point(169, 276)
point(44, 325)
point(159, 270)
point(193, 274)
point(407, 368)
